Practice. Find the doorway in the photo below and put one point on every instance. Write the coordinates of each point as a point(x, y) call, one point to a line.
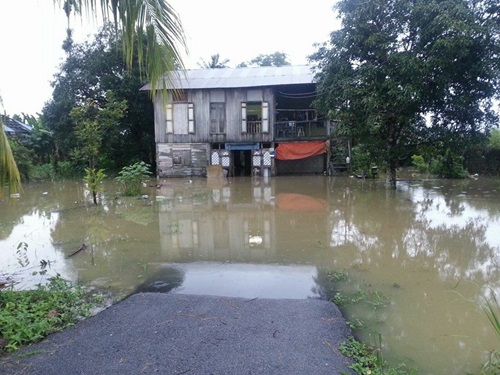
point(242, 163)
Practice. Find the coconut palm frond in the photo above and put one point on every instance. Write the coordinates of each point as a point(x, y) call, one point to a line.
point(157, 22)
point(9, 174)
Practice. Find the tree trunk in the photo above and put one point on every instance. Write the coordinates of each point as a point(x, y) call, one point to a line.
point(392, 161)
point(391, 176)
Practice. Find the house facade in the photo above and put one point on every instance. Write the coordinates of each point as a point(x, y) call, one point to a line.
point(251, 121)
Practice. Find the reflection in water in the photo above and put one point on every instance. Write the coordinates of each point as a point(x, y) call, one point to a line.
point(430, 247)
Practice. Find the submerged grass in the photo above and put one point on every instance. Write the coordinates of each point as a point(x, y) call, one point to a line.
point(369, 360)
point(29, 316)
point(492, 310)
point(347, 294)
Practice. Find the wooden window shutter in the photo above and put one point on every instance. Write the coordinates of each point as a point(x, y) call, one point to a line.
point(265, 117)
point(243, 117)
point(169, 118)
point(191, 118)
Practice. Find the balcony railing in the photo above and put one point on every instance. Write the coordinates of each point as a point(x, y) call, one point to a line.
point(254, 127)
point(299, 129)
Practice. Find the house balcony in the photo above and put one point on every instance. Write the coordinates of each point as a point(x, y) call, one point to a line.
point(254, 127)
point(295, 130)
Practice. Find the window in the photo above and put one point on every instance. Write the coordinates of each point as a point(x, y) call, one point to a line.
point(180, 118)
point(255, 117)
point(217, 118)
point(181, 157)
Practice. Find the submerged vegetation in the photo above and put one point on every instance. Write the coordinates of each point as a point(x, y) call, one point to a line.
point(349, 296)
point(369, 360)
point(492, 310)
point(131, 178)
point(29, 316)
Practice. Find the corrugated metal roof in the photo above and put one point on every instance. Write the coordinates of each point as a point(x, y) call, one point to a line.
point(12, 126)
point(242, 77)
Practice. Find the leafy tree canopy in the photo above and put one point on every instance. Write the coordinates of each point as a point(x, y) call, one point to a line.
point(90, 71)
point(398, 69)
point(274, 59)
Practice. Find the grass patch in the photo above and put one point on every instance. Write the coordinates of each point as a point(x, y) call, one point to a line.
point(369, 361)
point(29, 316)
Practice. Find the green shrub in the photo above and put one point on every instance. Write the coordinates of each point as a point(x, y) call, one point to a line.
point(93, 179)
point(131, 178)
point(42, 172)
point(66, 169)
point(448, 165)
point(419, 162)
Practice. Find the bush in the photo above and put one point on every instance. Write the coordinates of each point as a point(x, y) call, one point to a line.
point(419, 162)
point(42, 172)
point(448, 165)
point(131, 178)
point(66, 169)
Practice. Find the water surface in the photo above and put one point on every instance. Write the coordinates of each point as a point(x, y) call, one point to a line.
point(423, 258)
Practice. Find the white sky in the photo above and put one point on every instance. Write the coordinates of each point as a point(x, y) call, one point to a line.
point(32, 32)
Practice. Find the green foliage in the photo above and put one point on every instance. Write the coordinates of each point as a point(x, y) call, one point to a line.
point(492, 364)
point(215, 62)
point(492, 310)
point(23, 157)
point(93, 179)
point(66, 169)
point(494, 140)
point(378, 75)
point(92, 120)
point(363, 159)
point(9, 174)
point(274, 59)
point(419, 162)
point(28, 316)
point(131, 178)
point(369, 361)
point(90, 71)
point(42, 172)
point(448, 165)
point(41, 140)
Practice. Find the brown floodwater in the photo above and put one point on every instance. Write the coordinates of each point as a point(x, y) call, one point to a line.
point(411, 267)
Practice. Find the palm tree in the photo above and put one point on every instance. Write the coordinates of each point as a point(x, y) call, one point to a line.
point(215, 62)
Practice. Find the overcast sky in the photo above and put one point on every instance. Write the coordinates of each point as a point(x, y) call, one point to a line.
point(32, 32)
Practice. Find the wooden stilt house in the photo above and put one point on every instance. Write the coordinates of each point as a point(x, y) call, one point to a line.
point(251, 121)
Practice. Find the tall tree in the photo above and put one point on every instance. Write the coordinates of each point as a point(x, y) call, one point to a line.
point(91, 122)
point(397, 69)
point(89, 71)
point(215, 62)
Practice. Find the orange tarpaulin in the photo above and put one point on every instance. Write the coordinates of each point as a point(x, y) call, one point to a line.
point(300, 150)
